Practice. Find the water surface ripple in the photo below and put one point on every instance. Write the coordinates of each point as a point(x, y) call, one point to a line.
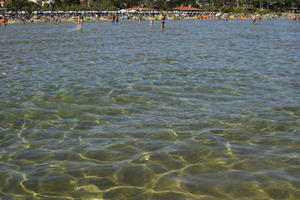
point(202, 110)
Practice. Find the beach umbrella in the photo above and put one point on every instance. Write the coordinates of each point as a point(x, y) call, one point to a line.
point(186, 9)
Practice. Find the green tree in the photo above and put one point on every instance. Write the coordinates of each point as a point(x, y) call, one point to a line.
point(126, 3)
point(72, 2)
point(24, 5)
point(57, 3)
point(103, 5)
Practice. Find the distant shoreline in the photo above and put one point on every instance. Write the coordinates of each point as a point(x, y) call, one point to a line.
point(24, 19)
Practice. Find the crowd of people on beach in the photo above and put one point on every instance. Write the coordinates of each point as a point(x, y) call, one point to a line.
point(115, 16)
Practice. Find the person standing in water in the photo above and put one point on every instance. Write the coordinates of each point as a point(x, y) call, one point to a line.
point(56, 19)
point(151, 19)
point(151, 22)
point(113, 18)
point(163, 21)
point(4, 21)
point(140, 18)
point(80, 22)
point(253, 19)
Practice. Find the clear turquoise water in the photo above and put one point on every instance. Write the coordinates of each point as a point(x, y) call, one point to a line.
point(202, 110)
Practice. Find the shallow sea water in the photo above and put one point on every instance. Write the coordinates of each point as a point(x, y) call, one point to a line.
point(202, 110)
